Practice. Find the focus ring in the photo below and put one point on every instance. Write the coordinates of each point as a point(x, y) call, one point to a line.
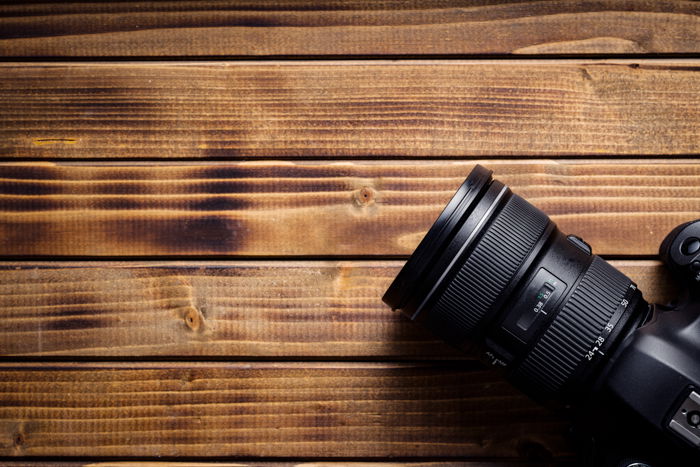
point(573, 333)
point(487, 271)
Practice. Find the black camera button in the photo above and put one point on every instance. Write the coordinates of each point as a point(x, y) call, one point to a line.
point(690, 246)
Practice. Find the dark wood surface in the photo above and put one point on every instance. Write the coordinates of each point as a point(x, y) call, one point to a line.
point(324, 208)
point(269, 409)
point(235, 309)
point(359, 27)
point(201, 204)
point(89, 463)
point(352, 109)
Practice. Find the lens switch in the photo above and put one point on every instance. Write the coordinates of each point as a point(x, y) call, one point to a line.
point(580, 244)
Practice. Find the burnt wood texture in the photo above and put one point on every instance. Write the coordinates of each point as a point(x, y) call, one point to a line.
point(359, 208)
point(235, 309)
point(392, 463)
point(347, 28)
point(194, 243)
point(268, 409)
point(349, 109)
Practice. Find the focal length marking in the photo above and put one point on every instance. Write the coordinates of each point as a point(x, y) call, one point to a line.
point(595, 350)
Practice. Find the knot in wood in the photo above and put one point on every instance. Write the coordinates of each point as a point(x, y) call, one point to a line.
point(364, 196)
point(19, 439)
point(193, 319)
point(188, 377)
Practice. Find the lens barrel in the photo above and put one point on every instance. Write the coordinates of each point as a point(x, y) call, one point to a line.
point(495, 270)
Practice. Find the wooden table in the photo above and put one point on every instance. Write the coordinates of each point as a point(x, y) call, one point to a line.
point(203, 202)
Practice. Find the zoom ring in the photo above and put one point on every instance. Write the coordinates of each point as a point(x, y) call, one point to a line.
point(487, 271)
point(573, 333)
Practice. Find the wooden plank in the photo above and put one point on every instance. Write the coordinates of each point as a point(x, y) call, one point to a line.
point(226, 309)
point(622, 207)
point(310, 463)
point(353, 108)
point(361, 27)
point(268, 410)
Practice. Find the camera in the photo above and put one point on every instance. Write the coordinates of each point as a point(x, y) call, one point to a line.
point(565, 326)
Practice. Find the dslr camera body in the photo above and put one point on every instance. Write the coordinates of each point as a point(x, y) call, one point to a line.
point(566, 327)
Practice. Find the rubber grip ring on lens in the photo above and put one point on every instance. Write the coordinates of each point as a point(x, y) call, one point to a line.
point(487, 271)
point(422, 260)
point(572, 334)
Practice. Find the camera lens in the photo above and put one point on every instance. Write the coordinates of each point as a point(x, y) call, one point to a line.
point(495, 270)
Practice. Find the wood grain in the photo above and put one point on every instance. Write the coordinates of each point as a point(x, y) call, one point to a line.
point(362, 27)
point(246, 309)
point(309, 463)
point(621, 207)
point(349, 109)
point(269, 410)
point(441, 406)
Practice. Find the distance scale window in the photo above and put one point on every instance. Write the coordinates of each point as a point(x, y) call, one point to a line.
point(538, 298)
